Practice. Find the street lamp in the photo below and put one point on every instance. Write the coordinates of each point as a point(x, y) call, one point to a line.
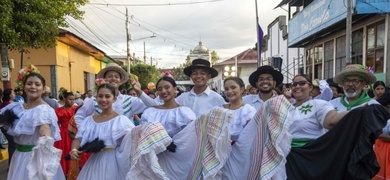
point(229, 71)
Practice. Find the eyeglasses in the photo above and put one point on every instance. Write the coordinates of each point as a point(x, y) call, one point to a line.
point(353, 81)
point(265, 79)
point(200, 74)
point(300, 83)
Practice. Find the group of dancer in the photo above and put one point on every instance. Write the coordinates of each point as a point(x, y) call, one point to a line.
point(198, 135)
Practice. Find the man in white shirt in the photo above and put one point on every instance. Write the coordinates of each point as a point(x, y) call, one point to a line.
point(201, 99)
point(352, 79)
point(265, 78)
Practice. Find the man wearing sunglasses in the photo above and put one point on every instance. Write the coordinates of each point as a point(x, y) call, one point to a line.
point(353, 79)
point(265, 79)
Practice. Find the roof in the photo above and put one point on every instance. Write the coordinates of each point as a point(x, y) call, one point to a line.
point(248, 56)
point(200, 49)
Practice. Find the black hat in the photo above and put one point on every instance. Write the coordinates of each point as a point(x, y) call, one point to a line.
point(278, 77)
point(200, 63)
point(332, 83)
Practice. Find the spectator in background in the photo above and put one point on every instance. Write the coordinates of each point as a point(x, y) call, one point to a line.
point(132, 92)
point(321, 90)
point(89, 94)
point(78, 99)
point(152, 95)
point(46, 97)
point(7, 98)
point(379, 89)
point(336, 89)
point(18, 95)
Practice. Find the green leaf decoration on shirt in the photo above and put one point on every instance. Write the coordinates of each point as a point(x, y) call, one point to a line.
point(305, 109)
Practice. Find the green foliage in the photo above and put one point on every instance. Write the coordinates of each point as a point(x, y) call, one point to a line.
point(35, 23)
point(214, 58)
point(145, 73)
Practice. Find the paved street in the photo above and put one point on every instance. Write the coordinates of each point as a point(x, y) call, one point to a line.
point(3, 169)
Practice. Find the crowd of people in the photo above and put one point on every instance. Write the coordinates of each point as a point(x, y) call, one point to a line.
point(308, 129)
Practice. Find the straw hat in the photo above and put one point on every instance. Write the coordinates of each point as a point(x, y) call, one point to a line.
point(315, 82)
point(200, 63)
point(278, 77)
point(114, 67)
point(47, 90)
point(355, 70)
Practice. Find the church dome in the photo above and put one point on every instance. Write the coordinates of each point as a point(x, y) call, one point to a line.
point(200, 49)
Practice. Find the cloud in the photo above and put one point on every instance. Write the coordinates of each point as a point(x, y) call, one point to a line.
point(227, 27)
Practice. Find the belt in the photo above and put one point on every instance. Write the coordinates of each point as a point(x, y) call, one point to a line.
point(24, 148)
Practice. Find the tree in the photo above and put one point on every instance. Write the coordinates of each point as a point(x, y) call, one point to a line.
point(214, 58)
point(33, 23)
point(145, 73)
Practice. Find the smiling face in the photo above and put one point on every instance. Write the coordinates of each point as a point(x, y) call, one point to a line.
point(33, 87)
point(233, 91)
point(113, 78)
point(200, 77)
point(166, 90)
point(301, 88)
point(265, 83)
point(105, 97)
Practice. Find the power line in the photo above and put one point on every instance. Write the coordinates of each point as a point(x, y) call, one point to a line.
point(157, 4)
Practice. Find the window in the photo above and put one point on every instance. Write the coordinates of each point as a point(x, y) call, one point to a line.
point(318, 56)
point(375, 46)
point(328, 59)
point(309, 61)
point(357, 47)
point(340, 54)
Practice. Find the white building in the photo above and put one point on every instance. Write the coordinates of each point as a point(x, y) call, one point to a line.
point(200, 51)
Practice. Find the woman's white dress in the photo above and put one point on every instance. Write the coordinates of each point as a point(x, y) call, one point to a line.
point(173, 120)
point(242, 116)
point(104, 165)
point(25, 131)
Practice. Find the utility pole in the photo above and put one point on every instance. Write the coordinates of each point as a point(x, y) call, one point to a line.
point(128, 39)
point(151, 60)
point(144, 54)
point(348, 33)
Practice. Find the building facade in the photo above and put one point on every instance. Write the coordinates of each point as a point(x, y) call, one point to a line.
point(319, 26)
point(73, 63)
point(289, 61)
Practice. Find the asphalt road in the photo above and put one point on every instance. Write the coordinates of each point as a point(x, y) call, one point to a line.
point(3, 169)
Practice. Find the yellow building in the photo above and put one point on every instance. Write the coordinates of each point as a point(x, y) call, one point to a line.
point(73, 63)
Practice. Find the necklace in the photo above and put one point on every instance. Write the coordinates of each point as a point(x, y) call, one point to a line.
point(234, 108)
point(29, 106)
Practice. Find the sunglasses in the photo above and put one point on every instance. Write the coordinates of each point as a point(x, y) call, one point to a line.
point(300, 83)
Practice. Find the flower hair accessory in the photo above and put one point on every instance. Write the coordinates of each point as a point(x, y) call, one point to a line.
point(21, 77)
point(167, 74)
point(368, 69)
point(99, 82)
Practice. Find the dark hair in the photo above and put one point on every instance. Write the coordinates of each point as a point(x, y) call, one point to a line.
point(39, 76)
point(65, 94)
point(88, 91)
point(151, 92)
point(169, 79)
point(307, 78)
point(130, 89)
point(7, 94)
point(384, 100)
point(108, 86)
point(238, 80)
point(376, 84)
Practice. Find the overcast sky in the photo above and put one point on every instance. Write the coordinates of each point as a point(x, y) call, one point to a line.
point(225, 26)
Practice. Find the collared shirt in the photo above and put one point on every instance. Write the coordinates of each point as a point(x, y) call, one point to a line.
point(254, 100)
point(341, 108)
point(124, 105)
point(199, 103)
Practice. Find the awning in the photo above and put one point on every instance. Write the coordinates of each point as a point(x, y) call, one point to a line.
point(282, 3)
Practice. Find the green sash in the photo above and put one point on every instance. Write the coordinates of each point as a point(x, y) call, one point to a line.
point(24, 148)
point(299, 142)
point(357, 102)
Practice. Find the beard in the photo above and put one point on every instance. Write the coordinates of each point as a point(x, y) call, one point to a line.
point(265, 91)
point(354, 94)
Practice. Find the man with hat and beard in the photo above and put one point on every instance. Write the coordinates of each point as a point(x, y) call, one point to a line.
point(265, 78)
point(353, 79)
point(201, 99)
